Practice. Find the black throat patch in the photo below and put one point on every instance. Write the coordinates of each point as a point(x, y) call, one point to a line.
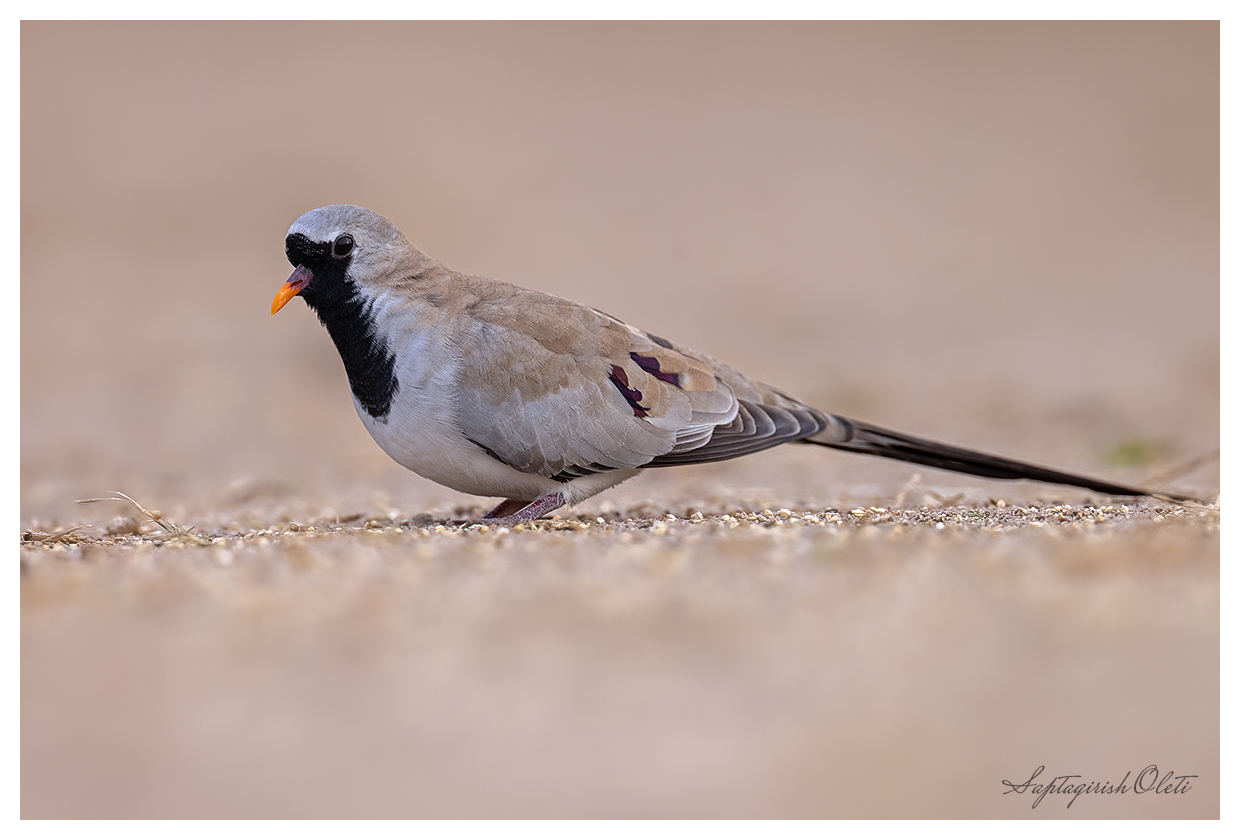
point(335, 298)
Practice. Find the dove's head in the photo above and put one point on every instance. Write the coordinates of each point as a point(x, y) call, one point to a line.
point(338, 251)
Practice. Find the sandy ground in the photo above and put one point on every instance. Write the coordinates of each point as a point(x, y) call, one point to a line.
point(1004, 236)
point(863, 663)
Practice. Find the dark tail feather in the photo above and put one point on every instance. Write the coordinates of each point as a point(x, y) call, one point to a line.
point(873, 440)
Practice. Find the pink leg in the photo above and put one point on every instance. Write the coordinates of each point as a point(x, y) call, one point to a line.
point(504, 508)
point(528, 513)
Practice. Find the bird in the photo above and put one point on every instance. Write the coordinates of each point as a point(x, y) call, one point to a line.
point(495, 390)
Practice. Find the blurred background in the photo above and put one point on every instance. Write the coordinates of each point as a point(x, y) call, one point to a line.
point(1004, 235)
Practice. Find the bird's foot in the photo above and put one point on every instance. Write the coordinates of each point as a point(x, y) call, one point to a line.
point(514, 511)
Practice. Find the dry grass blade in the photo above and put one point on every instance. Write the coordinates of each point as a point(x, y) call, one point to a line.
point(52, 538)
point(154, 516)
point(1181, 470)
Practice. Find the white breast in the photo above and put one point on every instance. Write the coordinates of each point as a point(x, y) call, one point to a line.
point(421, 432)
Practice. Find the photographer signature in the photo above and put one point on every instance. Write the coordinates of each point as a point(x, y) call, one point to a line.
point(1149, 780)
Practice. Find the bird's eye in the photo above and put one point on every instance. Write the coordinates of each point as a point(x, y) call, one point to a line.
point(342, 246)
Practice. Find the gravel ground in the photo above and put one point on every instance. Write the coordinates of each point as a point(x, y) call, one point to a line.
point(876, 661)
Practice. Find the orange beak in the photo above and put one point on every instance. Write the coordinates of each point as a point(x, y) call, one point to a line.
point(300, 278)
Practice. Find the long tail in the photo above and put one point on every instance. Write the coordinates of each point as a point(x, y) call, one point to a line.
point(855, 436)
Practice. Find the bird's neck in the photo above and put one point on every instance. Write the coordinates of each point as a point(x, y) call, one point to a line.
point(367, 358)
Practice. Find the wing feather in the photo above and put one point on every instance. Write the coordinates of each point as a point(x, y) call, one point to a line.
point(601, 395)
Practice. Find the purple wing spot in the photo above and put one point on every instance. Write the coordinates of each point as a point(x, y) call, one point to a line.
point(634, 397)
point(651, 365)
